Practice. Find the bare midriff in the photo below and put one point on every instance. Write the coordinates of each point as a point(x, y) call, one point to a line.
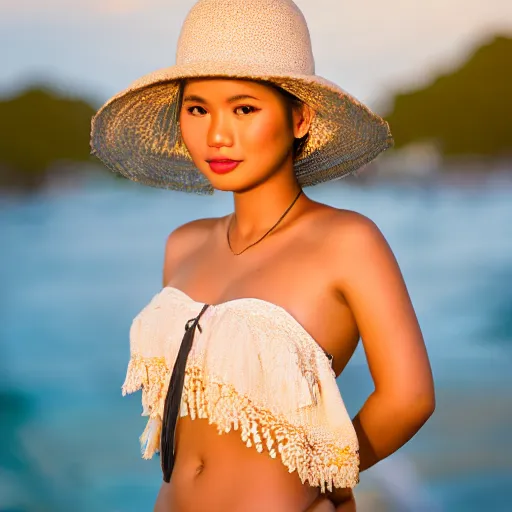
point(219, 473)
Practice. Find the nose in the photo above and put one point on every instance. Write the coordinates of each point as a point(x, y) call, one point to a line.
point(220, 132)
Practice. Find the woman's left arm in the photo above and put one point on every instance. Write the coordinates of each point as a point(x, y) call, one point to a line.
point(369, 278)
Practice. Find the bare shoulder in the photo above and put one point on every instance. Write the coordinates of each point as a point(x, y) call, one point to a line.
point(344, 217)
point(347, 231)
point(353, 243)
point(185, 239)
point(190, 233)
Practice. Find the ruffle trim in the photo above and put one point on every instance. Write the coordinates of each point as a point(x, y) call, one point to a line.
point(318, 457)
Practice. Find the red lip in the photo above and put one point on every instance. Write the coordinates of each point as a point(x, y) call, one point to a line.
point(222, 165)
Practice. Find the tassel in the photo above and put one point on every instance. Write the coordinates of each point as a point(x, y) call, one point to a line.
point(173, 397)
point(149, 440)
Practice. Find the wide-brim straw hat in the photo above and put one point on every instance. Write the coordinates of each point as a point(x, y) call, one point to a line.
point(136, 133)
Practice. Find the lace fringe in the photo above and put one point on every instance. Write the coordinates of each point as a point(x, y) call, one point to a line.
point(320, 456)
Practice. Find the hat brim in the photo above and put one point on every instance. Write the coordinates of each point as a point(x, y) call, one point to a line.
point(136, 132)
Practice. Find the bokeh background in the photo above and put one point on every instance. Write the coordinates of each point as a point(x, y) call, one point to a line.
point(81, 250)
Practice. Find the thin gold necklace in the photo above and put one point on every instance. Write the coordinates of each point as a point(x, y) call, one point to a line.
point(268, 232)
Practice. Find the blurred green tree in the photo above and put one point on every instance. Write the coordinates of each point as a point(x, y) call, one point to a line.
point(466, 112)
point(40, 127)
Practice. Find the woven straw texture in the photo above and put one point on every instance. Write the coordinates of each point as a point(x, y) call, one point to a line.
point(136, 132)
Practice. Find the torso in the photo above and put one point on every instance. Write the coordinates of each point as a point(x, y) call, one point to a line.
point(292, 268)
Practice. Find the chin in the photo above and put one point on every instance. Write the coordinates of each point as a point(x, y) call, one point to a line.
point(233, 183)
point(222, 182)
point(223, 188)
point(229, 186)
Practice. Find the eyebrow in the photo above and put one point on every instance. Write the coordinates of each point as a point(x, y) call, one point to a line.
point(198, 99)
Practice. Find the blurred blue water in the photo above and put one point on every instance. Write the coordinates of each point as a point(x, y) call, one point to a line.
point(77, 266)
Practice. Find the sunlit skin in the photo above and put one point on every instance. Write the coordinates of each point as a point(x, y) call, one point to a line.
point(330, 268)
point(258, 129)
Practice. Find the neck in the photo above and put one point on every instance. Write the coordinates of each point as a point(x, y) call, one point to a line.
point(258, 209)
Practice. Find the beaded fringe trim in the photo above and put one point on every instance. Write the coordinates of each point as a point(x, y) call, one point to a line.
point(321, 462)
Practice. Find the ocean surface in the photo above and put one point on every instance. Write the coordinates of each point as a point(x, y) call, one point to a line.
point(78, 263)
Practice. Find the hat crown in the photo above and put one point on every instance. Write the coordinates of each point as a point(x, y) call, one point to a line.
point(268, 33)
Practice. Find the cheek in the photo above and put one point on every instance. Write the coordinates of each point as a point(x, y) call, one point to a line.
point(191, 133)
point(266, 134)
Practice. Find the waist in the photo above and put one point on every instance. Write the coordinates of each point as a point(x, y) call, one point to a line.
point(218, 472)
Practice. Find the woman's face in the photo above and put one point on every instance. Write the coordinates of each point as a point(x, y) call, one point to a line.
point(239, 120)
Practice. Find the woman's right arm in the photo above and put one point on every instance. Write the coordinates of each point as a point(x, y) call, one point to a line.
point(181, 243)
point(171, 252)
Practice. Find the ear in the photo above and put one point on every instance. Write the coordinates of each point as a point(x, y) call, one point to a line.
point(302, 117)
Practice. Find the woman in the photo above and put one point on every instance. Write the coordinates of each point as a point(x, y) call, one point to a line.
point(327, 273)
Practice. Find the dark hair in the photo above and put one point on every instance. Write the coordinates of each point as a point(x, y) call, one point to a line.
point(294, 102)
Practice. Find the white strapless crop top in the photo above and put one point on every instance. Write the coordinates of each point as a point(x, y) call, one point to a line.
point(253, 368)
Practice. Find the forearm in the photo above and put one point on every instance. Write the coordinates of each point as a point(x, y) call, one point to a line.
point(386, 422)
point(347, 506)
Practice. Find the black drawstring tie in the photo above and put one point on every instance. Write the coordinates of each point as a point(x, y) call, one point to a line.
point(173, 398)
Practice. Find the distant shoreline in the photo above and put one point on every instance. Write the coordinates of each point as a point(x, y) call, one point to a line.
point(74, 176)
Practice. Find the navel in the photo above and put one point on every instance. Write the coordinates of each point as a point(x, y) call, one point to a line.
point(200, 468)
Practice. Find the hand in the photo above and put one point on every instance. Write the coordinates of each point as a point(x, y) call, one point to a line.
point(349, 505)
point(340, 496)
point(322, 504)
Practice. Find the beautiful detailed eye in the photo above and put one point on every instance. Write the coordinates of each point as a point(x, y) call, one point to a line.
point(190, 109)
point(251, 109)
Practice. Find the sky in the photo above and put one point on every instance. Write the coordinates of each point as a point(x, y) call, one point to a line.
point(370, 48)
